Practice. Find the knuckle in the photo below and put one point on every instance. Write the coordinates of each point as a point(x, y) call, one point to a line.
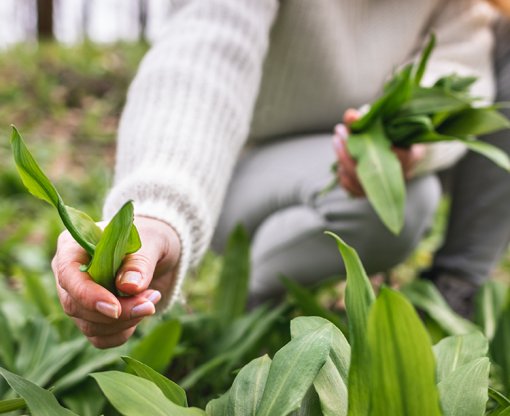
point(68, 306)
point(87, 328)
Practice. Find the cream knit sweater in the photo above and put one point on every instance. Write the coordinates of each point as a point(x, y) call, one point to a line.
point(226, 71)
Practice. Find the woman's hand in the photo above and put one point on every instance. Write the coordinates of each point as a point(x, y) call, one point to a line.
point(346, 173)
point(105, 319)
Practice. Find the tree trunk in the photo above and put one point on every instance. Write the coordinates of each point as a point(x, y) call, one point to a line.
point(45, 19)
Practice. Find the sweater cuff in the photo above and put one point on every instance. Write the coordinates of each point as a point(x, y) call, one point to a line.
point(153, 198)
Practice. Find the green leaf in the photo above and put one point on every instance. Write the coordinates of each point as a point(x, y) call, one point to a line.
point(135, 396)
point(499, 398)
point(310, 406)
point(157, 348)
point(464, 392)
point(424, 295)
point(331, 382)
point(40, 402)
point(474, 122)
point(489, 302)
point(359, 297)
point(419, 69)
point(87, 400)
point(432, 101)
point(232, 290)
point(10, 405)
point(309, 304)
point(247, 389)
point(115, 243)
point(493, 153)
point(171, 390)
point(7, 343)
point(293, 371)
point(38, 184)
point(85, 225)
point(218, 407)
point(455, 351)
point(402, 363)
point(380, 173)
point(31, 174)
point(500, 344)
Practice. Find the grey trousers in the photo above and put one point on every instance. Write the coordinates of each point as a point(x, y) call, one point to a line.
point(275, 194)
point(479, 224)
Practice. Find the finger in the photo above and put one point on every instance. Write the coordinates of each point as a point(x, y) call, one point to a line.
point(79, 285)
point(91, 329)
point(110, 341)
point(351, 186)
point(351, 115)
point(137, 269)
point(72, 309)
point(139, 306)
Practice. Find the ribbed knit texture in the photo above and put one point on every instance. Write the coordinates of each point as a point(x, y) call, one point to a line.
point(190, 107)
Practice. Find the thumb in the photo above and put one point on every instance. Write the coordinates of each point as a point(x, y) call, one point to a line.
point(137, 270)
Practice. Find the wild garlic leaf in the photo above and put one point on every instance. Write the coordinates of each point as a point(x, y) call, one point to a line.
point(380, 173)
point(117, 240)
point(38, 184)
point(419, 69)
point(31, 174)
point(474, 122)
point(493, 153)
point(85, 225)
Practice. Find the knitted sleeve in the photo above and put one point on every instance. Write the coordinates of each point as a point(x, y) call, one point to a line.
point(187, 116)
point(464, 46)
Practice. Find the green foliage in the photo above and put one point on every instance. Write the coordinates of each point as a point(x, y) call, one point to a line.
point(408, 113)
point(118, 239)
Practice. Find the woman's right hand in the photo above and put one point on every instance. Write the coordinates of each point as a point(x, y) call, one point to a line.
point(105, 319)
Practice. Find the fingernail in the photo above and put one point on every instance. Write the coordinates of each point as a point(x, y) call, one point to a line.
point(143, 309)
point(154, 297)
point(110, 310)
point(341, 131)
point(131, 278)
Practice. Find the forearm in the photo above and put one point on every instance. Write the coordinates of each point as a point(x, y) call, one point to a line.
point(188, 114)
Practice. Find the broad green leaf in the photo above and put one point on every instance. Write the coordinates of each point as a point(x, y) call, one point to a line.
point(87, 400)
point(156, 348)
point(31, 174)
point(40, 402)
point(474, 122)
point(293, 371)
point(402, 129)
point(359, 297)
point(309, 304)
point(38, 184)
point(432, 101)
point(135, 396)
point(500, 344)
point(331, 382)
point(218, 407)
point(232, 290)
point(85, 225)
point(464, 392)
point(380, 173)
point(37, 293)
point(419, 69)
point(402, 363)
point(10, 405)
point(171, 390)
point(493, 153)
point(332, 390)
point(310, 406)
point(247, 389)
point(455, 351)
point(112, 247)
point(489, 303)
point(424, 295)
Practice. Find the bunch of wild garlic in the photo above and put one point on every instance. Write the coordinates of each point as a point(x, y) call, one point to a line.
point(107, 247)
point(408, 113)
